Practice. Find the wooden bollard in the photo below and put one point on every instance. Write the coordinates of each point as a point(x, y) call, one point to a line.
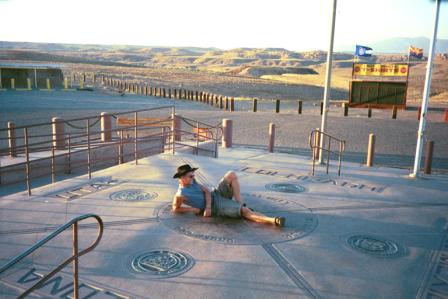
point(227, 127)
point(232, 104)
point(106, 126)
point(394, 112)
point(254, 105)
point(164, 93)
point(176, 127)
point(369, 111)
point(12, 139)
point(299, 108)
point(226, 106)
point(428, 157)
point(271, 137)
point(221, 105)
point(446, 115)
point(345, 106)
point(169, 93)
point(196, 96)
point(57, 125)
point(321, 108)
point(370, 150)
point(277, 106)
point(419, 112)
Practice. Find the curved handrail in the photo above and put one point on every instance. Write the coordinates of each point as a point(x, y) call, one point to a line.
point(325, 134)
point(314, 147)
point(74, 257)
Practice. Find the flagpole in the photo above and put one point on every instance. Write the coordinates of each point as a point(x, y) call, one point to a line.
point(327, 80)
point(425, 100)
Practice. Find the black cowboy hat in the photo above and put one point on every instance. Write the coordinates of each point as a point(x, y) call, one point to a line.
point(183, 169)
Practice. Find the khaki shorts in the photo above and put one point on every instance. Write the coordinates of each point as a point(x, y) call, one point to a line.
point(223, 204)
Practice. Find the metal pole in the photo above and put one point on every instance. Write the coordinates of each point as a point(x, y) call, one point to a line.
point(328, 78)
point(88, 149)
point(75, 261)
point(27, 155)
point(422, 125)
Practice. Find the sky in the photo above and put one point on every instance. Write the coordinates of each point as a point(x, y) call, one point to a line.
point(292, 24)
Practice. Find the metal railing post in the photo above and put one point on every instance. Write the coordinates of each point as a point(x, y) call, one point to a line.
point(120, 148)
point(341, 150)
point(53, 166)
point(313, 148)
point(136, 138)
point(69, 156)
point(27, 165)
point(197, 138)
point(88, 149)
point(216, 143)
point(75, 261)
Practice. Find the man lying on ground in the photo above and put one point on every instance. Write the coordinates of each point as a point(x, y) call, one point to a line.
point(196, 198)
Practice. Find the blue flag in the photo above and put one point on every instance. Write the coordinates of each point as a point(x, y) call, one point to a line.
point(363, 51)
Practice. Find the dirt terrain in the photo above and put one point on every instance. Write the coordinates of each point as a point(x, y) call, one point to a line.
point(270, 73)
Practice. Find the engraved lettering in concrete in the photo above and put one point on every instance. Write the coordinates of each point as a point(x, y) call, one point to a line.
point(59, 285)
point(314, 179)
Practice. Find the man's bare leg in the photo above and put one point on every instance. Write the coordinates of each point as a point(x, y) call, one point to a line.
point(256, 217)
point(232, 179)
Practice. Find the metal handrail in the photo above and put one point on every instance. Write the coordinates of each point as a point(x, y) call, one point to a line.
point(89, 117)
point(80, 135)
point(73, 258)
point(316, 148)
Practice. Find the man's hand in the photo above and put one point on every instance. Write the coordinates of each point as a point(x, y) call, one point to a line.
point(208, 212)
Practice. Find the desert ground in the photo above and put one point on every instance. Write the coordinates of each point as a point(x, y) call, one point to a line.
point(270, 73)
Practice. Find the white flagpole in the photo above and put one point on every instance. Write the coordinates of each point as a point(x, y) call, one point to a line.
point(327, 80)
point(422, 125)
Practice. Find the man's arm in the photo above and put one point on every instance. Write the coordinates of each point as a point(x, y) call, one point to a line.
point(177, 206)
point(208, 201)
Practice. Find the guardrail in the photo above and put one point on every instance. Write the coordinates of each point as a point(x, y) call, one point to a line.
point(317, 141)
point(145, 136)
point(74, 258)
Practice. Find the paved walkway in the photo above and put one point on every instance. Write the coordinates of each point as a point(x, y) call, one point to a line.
point(370, 233)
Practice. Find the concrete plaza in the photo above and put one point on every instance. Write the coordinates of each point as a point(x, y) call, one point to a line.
point(370, 233)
